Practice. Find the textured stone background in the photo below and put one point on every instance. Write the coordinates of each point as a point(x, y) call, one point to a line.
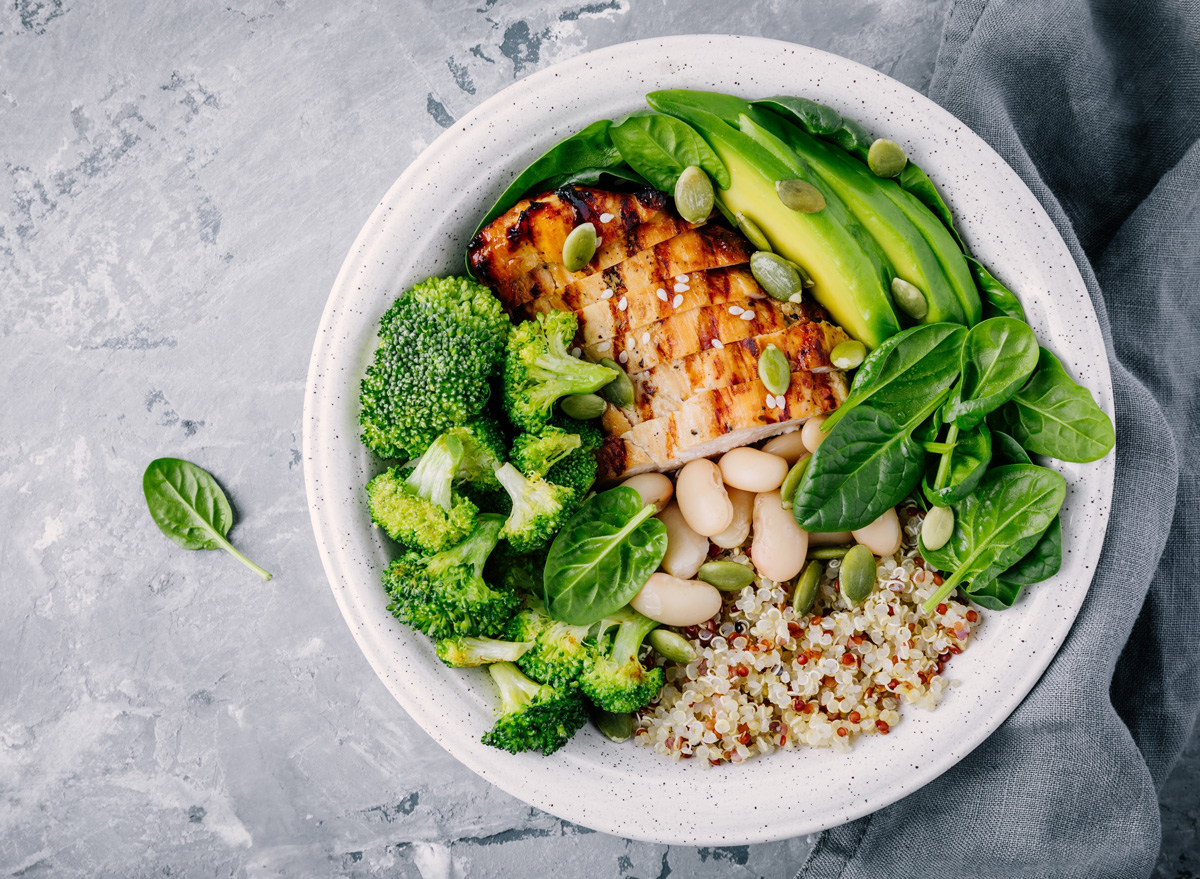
point(180, 184)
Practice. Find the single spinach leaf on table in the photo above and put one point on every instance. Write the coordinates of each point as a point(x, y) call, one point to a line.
point(998, 300)
point(905, 372)
point(602, 557)
point(866, 465)
point(969, 460)
point(996, 526)
point(189, 507)
point(998, 355)
point(660, 147)
point(1054, 416)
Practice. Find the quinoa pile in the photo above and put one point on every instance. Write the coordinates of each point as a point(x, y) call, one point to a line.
point(765, 679)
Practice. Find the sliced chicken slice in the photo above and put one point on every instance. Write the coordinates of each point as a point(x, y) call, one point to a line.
point(651, 281)
point(519, 254)
point(663, 389)
point(715, 421)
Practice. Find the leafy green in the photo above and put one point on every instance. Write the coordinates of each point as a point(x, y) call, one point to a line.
point(996, 526)
point(1006, 450)
point(913, 179)
point(969, 460)
point(189, 507)
point(620, 174)
point(998, 355)
point(602, 557)
point(1054, 416)
point(905, 372)
point(659, 147)
point(1040, 563)
point(998, 300)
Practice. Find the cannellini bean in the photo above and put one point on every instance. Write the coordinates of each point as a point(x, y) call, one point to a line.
point(686, 550)
point(789, 446)
point(882, 536)
point(675, 602)
point(812, 434)
point(700, 493)
point(752, 470)
point(780, 545)
point(739, 528)
point(829, 538)
point(654, 488)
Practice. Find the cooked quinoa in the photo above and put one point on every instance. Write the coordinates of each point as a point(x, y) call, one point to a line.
point(765, 679)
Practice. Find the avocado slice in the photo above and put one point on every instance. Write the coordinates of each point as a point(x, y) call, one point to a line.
point(850, 273)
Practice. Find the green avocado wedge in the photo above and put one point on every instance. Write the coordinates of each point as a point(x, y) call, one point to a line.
point(850, 274)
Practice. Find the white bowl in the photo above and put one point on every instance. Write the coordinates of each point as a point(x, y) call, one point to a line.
point(422, 227)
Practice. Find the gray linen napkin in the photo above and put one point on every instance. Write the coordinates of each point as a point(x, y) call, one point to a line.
point(1096, 105)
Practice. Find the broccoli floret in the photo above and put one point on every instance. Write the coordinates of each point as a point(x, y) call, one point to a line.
point(421, 509)
point(465, 651)
point(533, 716)
point(438, 345)
point(535, 453)
point(538, 369)
point(615, 679)
point(539, 509)
point(560, 651)
point(445, 594)
point(577, 472)
point(484, 449)
point(518, 573)
point(591, 437)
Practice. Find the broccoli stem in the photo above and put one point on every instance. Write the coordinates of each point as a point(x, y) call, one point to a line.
point(466, 651)
point(516, 690)
point(629, 637)
point(478, 545)
point(563, 374)
point(434, 473)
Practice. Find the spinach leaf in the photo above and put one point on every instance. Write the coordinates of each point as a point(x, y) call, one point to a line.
point(189, 507)
point(659, 147)
point(997, 595)
point(589, 149)
point(996, 526)
point(913, 179)
point(998, 300)
point(968, 461)
point(1054, 416)
point(1006, 450)
point(869, 463)
point(617, 175)
point(998, 355)
point(1040, 563)
point(602, 557)
point(905, 372)
point(816, 119)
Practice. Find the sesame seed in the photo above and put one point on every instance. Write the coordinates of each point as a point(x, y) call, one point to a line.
point(682, 279)
point(662, 294)
point(645, 338)
point(677, 301)
point(606, 293)
point(624, 357)
point(682, 288)
point(735, 310)
point(770, 401)
point(718, 344)
point(604, 346)
point(623, 304)
point(747, 315)
point(606, 218)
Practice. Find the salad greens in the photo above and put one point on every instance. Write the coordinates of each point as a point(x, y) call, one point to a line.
point(659, 147)
point(998, 355)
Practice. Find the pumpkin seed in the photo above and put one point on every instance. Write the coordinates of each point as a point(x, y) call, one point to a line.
point(671, 645)
point(617, 727)
point(848, 354)
point(910, 299)
point(753, 234)
point(619, 391)
point(791, 482)
point(806, 588)
point(800, 195)
point(829, 552)
point(726, 576)
point(774, 370)
point(776, 275)
point(886, 158)
point(580, 247)
point(857, 574)
point(694, 197)
point(583, 407)
point(937, 527)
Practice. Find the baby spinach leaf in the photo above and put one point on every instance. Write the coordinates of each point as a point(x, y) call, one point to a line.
point(905, 372)
point(968, 462)
point(997, 595)
point(1054, 416)
point(1006, 450)
point(589, 149)
point(998, 355)
point(189, 507)
point(659, 147)
point(869, 463)
point(996, 526)
point(602, 557)
point(913, 179)
point(998, 300)
point(816, 119)
point(616, 175)
point(1040, 563)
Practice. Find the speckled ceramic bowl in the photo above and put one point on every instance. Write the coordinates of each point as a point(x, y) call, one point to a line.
point(422, 226)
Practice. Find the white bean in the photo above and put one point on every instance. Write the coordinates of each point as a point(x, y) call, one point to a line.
point(752, 470)
point(739, 529)
point(830, 538)
point(675, 602)
point(812, 434)
point(700, 493)
point(882, 536)
point(686, 550)
point(789, 446)
point(780, 545)
point(655, 489)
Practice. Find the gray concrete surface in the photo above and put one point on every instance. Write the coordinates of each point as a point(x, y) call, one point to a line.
point(180, 184)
